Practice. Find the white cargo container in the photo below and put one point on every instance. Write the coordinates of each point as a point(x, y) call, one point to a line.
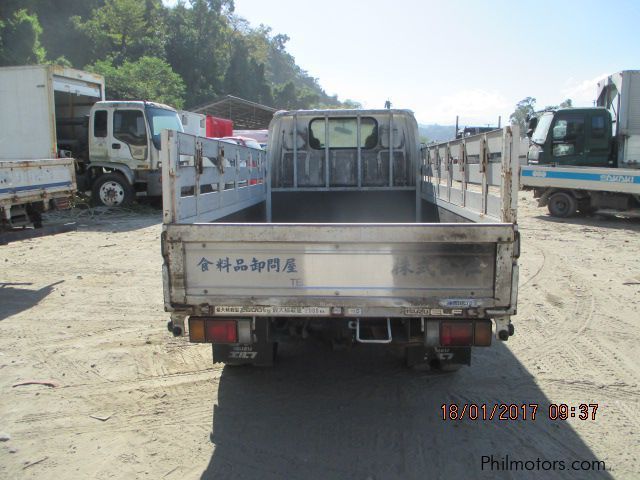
point(44, 108)
point(193, 123)
point(620, 94)
point(43, 118)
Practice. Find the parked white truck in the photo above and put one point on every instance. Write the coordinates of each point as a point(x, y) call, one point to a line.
point(30, 187)
point(51, 112)
point(347, 230)
point(588, 159)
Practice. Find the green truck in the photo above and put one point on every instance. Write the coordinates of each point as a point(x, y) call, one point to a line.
point(588, 159)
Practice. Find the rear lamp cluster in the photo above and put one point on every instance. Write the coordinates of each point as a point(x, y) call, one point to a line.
point(463, 334)
point(212, 330)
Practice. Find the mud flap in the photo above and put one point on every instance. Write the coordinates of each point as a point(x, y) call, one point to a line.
point(261, 353)
point(418, 354)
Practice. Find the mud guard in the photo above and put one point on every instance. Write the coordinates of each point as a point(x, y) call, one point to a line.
point(418, 354)
point(261, 353)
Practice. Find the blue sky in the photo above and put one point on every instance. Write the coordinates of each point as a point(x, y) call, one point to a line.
point(446, 58)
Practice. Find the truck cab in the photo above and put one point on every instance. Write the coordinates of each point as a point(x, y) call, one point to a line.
point(572, 137)
point(124, 145)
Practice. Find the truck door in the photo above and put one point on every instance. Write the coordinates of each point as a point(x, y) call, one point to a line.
point(568, 139)
point(598, 145)
point(99, 136)
point(130, 142)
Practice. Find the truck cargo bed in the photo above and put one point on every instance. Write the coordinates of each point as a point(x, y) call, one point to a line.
point(345, 240)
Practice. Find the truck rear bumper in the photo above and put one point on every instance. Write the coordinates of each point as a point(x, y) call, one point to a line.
point(254, 340)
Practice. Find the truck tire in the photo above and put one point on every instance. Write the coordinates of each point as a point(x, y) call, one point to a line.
point(562, 205)
point(112, 190)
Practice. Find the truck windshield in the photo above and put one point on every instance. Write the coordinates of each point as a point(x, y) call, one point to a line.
point(540, 134)
point(160, 119)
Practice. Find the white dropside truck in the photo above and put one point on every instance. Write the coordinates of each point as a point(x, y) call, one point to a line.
point(348, 231)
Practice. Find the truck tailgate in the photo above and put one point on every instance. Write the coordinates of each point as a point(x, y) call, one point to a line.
point(368, 269)
point(36, 180)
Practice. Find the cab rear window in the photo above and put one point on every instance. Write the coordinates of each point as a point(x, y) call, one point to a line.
point(343, 133)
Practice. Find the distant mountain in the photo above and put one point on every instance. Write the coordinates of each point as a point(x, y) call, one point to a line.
point(436, 133)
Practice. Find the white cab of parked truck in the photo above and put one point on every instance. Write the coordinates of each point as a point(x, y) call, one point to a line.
point(51, 112)
point(124, 146)
point(347, 231)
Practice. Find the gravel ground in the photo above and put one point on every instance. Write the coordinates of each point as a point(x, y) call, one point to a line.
point(83, 313)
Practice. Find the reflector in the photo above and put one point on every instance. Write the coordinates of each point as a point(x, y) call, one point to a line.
point(196, 329)
point(483, 333)
point(456, 334)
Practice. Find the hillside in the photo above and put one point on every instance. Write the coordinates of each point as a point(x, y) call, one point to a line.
point(183, 55)
point(436, 133)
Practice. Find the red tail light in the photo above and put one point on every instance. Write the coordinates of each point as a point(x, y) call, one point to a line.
point(456, 334)
point(221, 331)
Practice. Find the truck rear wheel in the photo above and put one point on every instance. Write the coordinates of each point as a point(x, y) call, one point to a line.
point(112, 190)
point(562, 205)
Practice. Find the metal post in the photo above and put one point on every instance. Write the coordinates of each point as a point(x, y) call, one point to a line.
point(419, 179)
point(266, 167)
point(484, 164)
point(449, 164)
point(326, 151)
point(359, 140)
point(295, 151)
point(462, 159)
point(391, 150)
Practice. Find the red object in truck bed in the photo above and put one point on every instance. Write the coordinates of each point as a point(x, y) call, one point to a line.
point(219, 127)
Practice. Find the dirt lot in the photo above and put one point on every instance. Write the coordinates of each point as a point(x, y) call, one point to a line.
point(84, 310)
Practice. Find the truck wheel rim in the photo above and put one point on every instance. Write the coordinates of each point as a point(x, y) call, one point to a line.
point(111, 194)
point(562, 205)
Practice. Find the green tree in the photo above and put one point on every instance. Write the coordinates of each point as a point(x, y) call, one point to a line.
point(260, 88)
point(348, 103)
point(525, 109)
point(148, 78)
point(20, 39)
point(236, 79)
point(286, 96)
point(125, 29)
point(59, 35)
point(198, 46)
point(564, 104)
point(61, 40)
